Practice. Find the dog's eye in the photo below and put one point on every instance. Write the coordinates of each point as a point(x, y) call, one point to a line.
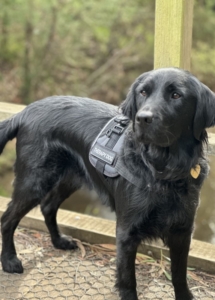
point(176, 96)
point(143, 93)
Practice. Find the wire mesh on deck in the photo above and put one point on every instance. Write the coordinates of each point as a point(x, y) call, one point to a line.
point(55, 274)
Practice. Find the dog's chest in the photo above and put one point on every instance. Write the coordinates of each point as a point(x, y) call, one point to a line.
point(166, 207)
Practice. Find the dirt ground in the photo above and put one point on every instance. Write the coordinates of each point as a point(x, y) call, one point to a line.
point(88, 273)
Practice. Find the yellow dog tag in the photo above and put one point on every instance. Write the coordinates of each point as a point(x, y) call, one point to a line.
point(195, 172)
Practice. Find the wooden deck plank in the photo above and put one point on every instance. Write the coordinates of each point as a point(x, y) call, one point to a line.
point(100, 231)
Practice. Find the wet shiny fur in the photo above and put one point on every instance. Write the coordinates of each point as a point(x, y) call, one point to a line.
point(169, 109)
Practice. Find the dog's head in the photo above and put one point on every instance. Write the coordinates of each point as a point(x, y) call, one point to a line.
point(167, 104)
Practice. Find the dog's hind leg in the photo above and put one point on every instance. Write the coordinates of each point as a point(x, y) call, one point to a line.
point(17, 209)
point(49, 207)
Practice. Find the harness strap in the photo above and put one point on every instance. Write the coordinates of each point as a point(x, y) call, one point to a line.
point(100, 165)
point(124, 172)
point(105, 153)
point(112, 141)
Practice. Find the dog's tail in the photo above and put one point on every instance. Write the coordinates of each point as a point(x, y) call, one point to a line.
point(8, 130)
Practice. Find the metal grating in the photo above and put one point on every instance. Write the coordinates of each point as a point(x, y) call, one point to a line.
point(86, 274)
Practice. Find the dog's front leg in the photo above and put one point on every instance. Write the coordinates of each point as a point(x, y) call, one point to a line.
point(126, 254)
point(179, 247)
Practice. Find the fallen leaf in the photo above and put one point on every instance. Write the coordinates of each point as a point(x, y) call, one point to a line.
point(36, 235)
point(81, 247)
point(196, 277)
point(108, 246)
point(167, 274)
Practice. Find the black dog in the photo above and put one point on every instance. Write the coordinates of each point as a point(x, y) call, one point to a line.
point(169, 111)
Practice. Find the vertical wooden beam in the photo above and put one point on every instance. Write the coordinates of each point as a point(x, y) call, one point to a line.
point(173, 33)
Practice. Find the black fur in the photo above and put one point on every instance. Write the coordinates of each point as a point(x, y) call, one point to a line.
point(163, 143)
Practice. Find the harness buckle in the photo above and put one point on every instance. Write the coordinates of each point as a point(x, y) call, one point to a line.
point(122, 120)
point(116, 129)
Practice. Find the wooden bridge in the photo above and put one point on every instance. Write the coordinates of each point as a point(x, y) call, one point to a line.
point(173, 39)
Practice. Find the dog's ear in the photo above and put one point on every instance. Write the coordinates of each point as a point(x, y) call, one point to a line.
point(129, 105)
point(205, 112)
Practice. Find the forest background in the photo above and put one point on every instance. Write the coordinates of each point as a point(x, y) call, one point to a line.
point(88, 48)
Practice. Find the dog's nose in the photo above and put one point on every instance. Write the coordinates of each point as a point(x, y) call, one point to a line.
point(144, 117)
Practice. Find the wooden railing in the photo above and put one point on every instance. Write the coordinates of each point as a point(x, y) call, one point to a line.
point(9, 109)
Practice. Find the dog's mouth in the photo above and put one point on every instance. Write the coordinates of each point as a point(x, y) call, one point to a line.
point(159, 136)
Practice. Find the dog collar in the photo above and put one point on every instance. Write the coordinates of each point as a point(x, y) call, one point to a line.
point(194, 172)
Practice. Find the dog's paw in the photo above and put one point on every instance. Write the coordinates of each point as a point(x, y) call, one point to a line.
point(64, 244)
point(187, 295)
point(126, 294)
point(12, 265)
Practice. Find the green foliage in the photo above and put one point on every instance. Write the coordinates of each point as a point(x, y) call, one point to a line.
point(87, 48)
point(7, 159)
point(3, 192)
point(203, 54)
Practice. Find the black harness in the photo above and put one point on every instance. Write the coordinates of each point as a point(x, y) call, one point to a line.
point(105, 153)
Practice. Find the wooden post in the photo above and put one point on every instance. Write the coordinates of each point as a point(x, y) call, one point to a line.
point(173, 33)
